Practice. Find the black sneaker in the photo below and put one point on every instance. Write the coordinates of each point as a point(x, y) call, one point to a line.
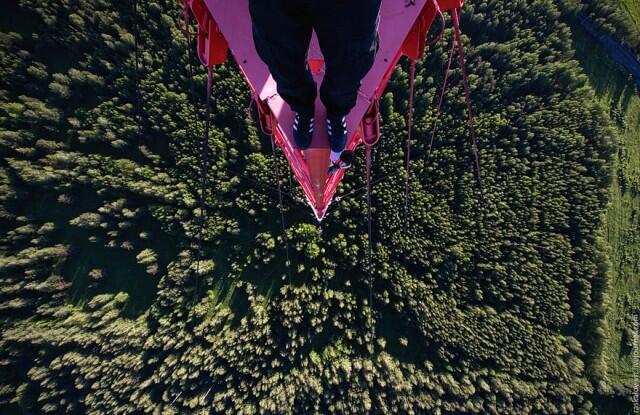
point(346, 160)
point(303, 130)
point(337, 130)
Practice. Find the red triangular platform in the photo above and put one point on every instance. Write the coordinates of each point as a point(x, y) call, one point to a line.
point(397, 19)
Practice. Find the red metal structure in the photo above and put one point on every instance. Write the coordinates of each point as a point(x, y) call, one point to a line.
point(226, 25)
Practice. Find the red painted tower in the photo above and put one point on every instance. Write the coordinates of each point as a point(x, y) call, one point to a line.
point(404, 24)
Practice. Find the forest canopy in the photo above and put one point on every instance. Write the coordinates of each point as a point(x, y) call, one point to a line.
point(481, 304)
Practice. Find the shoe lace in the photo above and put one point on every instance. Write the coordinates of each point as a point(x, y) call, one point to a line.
point(302, 123)
point(342, 123)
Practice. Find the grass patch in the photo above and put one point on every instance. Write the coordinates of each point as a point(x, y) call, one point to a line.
point(617, 90)
point(632, 8)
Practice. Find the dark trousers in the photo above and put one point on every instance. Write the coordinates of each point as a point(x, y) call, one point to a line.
point(347, 34)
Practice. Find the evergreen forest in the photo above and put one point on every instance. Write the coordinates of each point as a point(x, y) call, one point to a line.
point(518, 297)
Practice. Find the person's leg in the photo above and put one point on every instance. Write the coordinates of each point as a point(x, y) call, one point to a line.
point(347, 33)
point(282, 32)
